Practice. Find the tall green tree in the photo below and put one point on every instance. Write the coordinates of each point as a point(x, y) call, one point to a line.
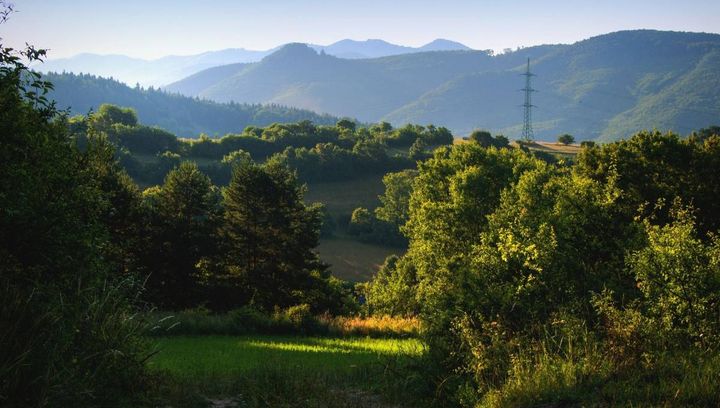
point(184, 216)
point(269, 237)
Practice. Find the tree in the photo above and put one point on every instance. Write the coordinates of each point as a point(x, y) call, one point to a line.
point(653, 167)
point(482, 137)
point(485, 139)
point(361, 222)
point(417, 150)
point(705, 133)
point(346, 124)
point(269, 237)
point(184, 212)
point(67, 337)
point(395, 202)
point(566, 139)
point(109, 115)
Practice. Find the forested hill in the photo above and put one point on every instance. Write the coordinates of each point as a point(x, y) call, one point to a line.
point(184, 116)
point(605, 87)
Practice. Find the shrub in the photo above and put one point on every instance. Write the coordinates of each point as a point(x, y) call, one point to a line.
point(679, 277)
point(566, 139)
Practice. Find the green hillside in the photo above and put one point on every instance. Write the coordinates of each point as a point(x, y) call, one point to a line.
point(603, 88)
point(182, 115)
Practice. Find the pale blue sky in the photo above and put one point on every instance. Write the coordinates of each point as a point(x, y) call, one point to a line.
point(154, 28)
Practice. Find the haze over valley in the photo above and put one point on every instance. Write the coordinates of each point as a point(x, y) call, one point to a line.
point(602, 88)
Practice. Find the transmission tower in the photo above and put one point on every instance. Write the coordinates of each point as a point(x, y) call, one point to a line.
point(527, 134)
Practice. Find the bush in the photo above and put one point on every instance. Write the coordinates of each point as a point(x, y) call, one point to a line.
point(679, 277)
point(68, 336)
point(566, 139)
point(392, 290)
point(299, 319)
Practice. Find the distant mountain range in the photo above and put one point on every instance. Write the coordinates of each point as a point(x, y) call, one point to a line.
point(181, 115)
point(604, 88)
point(169, 69)
point(351, 49)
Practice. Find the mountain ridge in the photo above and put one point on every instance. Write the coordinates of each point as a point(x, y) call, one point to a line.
point(595, 88)
point(181, 115)
point(170, 68)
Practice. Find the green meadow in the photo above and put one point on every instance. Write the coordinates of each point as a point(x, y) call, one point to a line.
point(282, 370)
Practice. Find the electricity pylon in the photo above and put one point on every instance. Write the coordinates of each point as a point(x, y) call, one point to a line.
point(527, 134)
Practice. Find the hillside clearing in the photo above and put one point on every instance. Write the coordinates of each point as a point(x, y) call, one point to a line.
point(352, 260)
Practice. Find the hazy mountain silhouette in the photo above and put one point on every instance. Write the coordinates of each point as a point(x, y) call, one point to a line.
point(604, 87)
point(165, 70)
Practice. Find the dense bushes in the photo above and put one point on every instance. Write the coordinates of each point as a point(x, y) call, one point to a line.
point(541, 283)
point(68, 334)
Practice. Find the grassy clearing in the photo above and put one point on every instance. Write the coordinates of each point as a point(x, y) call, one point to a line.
point(557, 148)
point(342, 197)
point(352, 260)
point(349, 259)
point(280, 371)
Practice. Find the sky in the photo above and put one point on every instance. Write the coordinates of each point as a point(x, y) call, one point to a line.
point(155, 28)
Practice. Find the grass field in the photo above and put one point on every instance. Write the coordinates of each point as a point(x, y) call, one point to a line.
point(352, 260)
point(279, 371)
point(342, 197)
point(557, 148)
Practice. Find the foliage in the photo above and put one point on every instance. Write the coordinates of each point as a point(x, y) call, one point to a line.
point(68, 335)
point(295, 320)
point(651, 167)
point(183, 216)
point(392, 290)
point(486, 139)
point(268, 237)
point(679, 277)
point(566, 139)
point(539, 282)
point(368, 228)
point(317, 153)
point(108, 115)
point(395, 201)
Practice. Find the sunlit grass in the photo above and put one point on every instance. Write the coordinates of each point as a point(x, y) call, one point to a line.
point(230, 355)
point(283, 371)
point(376, 326)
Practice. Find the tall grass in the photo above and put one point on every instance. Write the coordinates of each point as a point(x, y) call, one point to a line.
point(87, 349)
point(542, 375)
point(295, 320)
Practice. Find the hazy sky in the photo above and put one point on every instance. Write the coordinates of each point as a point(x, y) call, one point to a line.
point(154, 28)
